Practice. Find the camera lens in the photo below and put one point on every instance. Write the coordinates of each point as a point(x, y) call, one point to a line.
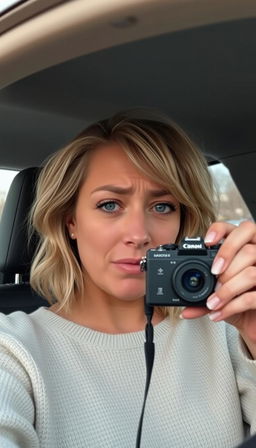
point(192, 280)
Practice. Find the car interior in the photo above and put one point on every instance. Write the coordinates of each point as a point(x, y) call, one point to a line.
point(66, 64)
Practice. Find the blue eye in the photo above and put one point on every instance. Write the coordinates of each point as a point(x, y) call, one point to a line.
point(164, 208)
point(109, 206)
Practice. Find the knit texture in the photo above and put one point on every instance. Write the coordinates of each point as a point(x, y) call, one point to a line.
point(63, 385)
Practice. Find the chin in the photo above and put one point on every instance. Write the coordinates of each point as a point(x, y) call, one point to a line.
point(129, 296)
point(130, 289)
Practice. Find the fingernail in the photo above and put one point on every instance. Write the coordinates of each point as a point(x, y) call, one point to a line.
point(217, 265)
point(210, 237)
point(214, 316)
point(213, 302)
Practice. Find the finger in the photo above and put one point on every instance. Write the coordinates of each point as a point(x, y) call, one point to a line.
point(234, 308)
point(217, 231)
point(235, 240)
point(221, 229)
point(239, 284)
point(194, 312)
point(244, 258)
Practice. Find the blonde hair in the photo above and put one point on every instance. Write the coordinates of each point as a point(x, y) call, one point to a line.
point(158, 147)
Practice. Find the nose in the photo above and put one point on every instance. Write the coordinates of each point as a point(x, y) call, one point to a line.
point(136, 231)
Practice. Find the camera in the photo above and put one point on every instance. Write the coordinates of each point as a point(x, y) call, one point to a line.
point(179, 275)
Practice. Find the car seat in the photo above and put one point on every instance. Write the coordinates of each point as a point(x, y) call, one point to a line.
point(16, 248)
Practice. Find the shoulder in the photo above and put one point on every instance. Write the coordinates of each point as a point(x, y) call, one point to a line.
point(22, 385)
point(17, 321)
point(20, 330)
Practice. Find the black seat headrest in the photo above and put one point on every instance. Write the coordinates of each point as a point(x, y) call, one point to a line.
point(15, 250)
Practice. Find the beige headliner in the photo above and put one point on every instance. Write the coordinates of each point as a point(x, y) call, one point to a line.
point(33, 39)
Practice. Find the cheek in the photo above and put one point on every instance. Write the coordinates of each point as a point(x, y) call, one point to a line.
point(175, 230)
point(94, 241)
point(165, 233)
point(175, 227)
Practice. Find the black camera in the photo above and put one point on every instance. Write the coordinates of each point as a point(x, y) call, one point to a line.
point(179, 275)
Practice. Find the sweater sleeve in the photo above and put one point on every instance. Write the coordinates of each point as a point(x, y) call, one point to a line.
point(17, 409)
point(245, 371)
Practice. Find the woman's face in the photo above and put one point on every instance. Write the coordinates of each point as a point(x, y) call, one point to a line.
point(119, 215)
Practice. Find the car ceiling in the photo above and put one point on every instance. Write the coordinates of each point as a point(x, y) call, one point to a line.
point(203, 77)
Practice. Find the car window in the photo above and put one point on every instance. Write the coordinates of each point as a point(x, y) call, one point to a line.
point(6, 177)
point(229, 202)
point(6, 5)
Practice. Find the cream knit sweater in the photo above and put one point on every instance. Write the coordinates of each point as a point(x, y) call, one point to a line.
point(66, 386)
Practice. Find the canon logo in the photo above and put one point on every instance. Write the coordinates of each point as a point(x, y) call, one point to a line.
point(192, 246)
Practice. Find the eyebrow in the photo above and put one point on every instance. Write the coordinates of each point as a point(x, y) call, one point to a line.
point(123, 190)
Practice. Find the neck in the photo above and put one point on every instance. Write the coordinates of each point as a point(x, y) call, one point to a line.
point(110, 315)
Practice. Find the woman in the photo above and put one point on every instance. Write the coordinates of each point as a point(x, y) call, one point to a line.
point(74, 374)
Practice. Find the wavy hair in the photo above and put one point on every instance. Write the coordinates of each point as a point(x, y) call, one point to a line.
point(158, 147)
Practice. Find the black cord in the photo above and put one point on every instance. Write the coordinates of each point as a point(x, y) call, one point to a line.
point(149, 349)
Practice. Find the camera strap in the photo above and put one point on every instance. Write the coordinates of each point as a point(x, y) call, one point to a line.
point(149, 348)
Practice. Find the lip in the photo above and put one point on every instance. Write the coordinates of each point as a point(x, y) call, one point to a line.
point(129, 265)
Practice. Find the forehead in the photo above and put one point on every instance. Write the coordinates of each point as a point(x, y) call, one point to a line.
point(112, 154)
point(109, 164)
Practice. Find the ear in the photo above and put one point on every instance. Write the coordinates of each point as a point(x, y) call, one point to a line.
point(71, 226)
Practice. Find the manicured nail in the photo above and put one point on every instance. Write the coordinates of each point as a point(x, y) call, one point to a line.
point(213, 302)
point(210, 237)
point(214, 316)
point(217, 265)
